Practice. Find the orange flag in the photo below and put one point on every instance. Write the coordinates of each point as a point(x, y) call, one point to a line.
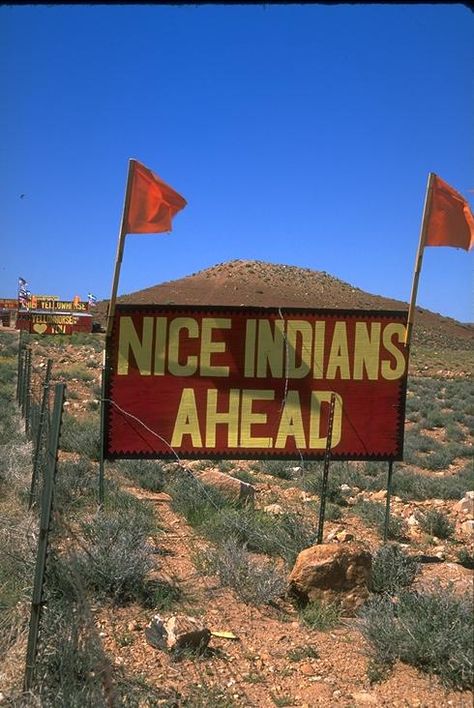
point(450, 221)
point(152, 203)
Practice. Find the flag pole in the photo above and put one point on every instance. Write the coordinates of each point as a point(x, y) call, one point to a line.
point(110, 319)
point(419, 259)
point(120, 247)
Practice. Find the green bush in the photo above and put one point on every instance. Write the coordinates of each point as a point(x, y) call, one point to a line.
point(284, 535)
point(409, 485)
point(76, 484)
point(466, 559)
point(148, 474)
point(76, 371)
point(432, 631)
point(320, 616)
point(254, 582)
point(277, 468)
point(435, 523)
point(80, 436)
point(195, 501)
point(116, 558)
point(392, 569)
point(373, 514)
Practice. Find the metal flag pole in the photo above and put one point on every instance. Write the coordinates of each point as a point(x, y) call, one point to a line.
point(110, 319)
point(120, 247)
point(419, 259)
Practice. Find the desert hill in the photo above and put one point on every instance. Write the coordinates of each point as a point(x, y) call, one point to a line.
point(244, 282)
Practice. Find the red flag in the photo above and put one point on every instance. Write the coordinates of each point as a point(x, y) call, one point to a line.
point(450, 221)
point(152, 203)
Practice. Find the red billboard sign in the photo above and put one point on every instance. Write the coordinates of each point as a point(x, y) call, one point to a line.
point(239, 382)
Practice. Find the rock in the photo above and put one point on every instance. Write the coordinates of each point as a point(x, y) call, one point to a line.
point(344, 536)
point(378, 496)
point(466, 505)
point(413, 521)
point(134, 626)
point(275, 509)
point(345, 490)
point(468, 526)
point(332, 572)
point(177, 633)
point(230, 487)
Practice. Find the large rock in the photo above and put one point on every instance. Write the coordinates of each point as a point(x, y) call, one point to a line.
point(177, 633)
point(466, 505)
point(332, 572)
point(230, 487)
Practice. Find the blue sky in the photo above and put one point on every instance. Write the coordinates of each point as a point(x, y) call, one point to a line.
point(298, 134)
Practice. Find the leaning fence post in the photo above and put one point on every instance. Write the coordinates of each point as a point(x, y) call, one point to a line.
point(21, 392)
point(39, 432)
point(28, 395)
point(42, 551)
point(327, 457)
point(24, 386)
point(19, 367)
point(387, 505)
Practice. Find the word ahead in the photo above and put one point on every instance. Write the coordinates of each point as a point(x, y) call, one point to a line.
point(245, 382)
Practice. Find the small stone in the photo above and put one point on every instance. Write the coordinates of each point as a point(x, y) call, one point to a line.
point(275, 509)
point(133, 626)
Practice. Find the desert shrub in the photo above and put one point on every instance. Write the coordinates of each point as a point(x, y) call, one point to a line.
point(436, 523)
point(76, 371)
point(303, 652)
point(339, 473)
point(72, 667)
point(392, 569)
point(225, 466)
point(466, 559)
point(434, 417)
point(148, 474)
point(80, 436)
point(243, 475)
point(284, 535)
point(195, 501)
point(373, 514)
point(76, 484)
point(332, 512)
point(115, 557)
point(8, 345)
point(320, 616)
point(409, 485)
point(254, 582)
point(82, 339)
point(432, 631)
point(277, 468)
point(17, 565)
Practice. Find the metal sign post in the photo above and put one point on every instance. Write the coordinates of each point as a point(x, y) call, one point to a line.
point(327, 457)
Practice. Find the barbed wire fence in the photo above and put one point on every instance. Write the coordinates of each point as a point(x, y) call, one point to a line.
point(41, 400)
